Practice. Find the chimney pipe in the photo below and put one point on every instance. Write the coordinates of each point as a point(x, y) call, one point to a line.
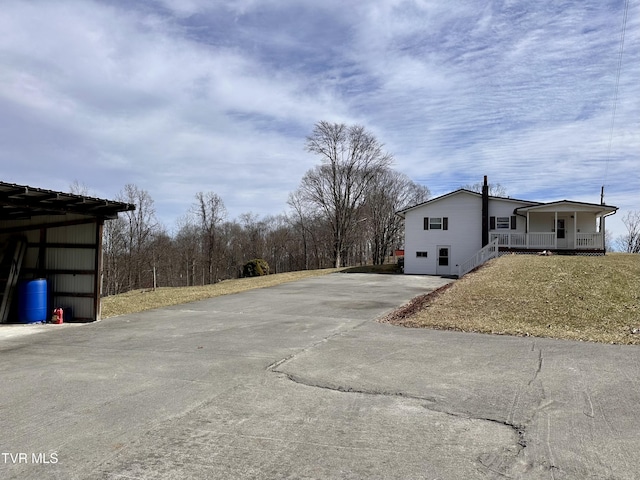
point(485, 212)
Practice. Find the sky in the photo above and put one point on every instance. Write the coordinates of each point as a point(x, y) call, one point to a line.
point(186, 96)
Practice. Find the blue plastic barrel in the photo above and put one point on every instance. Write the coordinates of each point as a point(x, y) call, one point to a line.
point(32, 301)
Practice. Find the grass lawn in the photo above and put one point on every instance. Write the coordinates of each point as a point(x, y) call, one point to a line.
point(140, 300)
point(594, 299)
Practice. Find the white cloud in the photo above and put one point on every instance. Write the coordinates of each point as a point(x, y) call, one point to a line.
point(183, 96)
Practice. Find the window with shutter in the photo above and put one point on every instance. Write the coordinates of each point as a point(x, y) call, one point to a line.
point(435, 223)
point(503, 223)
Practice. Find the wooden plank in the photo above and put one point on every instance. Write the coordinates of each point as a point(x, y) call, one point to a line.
point(19, 248)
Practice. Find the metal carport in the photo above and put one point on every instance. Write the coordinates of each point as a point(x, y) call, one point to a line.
point(56, 236)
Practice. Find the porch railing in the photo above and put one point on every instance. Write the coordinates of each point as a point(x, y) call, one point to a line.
point(510, 239)
point(541, 240)
point(545, 240)
point(588, 240)
point(485, 254)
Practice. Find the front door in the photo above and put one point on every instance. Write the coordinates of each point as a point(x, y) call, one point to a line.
point(561, 233)
point(443, 266)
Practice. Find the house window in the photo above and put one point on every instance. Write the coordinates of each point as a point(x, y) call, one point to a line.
point(436, 223)
point(502, 223)
point(421, 254)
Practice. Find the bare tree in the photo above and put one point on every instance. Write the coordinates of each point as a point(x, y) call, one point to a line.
point(630, 241)
point(300, 221)
point(235, 256)
point(351, 159)
point(495, 189)
point(277, 243)
point(187, 242)
point(388, 194)
point(210, 211)
point(310, 243)
point(253, 239)
point(141, 224)
point(114, 254)
point(609, 244)
point(78, 188)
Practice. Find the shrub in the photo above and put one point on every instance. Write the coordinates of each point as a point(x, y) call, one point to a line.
point(255, 268)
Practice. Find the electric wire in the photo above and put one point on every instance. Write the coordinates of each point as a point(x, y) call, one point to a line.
point(615, 94)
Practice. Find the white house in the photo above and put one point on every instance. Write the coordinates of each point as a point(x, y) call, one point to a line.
point(447, 235)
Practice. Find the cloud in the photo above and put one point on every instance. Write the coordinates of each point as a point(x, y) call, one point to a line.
point(186, 96)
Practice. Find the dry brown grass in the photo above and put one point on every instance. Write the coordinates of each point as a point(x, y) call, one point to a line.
point(593, 299)
point(140, 300)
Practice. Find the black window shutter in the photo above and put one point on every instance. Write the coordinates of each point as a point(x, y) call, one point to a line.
point(513, 222)
point(445, 223)
point(426, 223)
point(492, 223)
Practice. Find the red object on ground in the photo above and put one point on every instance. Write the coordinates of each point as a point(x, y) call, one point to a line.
point(58, 315)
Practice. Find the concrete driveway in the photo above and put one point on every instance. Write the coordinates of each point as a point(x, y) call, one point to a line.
point(298, 381)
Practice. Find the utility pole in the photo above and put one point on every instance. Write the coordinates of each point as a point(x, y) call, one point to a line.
point(602, 232)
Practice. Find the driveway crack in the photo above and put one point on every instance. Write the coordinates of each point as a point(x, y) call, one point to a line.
point(430, 404)
point(272, 367)
point(539, 367)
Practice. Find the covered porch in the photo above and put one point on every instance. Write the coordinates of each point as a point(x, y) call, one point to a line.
point(560, 226)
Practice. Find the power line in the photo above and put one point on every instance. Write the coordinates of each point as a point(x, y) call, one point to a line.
point(615, 95)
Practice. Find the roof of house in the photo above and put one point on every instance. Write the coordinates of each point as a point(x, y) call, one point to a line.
point(463, 190)
point(552, 206)
point(18, 202)
point(529, 205)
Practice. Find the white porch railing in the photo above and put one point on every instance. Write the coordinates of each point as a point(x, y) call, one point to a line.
point(545, 240)
point(541, 240)
point(510, 239)
point(588, 240)
point(485, 254)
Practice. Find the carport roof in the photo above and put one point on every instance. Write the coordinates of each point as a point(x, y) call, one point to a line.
point(19, 202)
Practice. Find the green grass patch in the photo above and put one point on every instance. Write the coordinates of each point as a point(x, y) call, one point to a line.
point(141, 300)
point(594, 299)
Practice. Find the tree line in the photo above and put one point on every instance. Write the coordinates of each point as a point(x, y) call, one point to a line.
point(342, 213)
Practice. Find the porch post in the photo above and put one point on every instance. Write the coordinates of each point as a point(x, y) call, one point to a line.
point(575, 230)
point(526, 230)
point(555, 229)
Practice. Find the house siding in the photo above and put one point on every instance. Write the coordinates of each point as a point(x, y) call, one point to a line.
point(586, 223)
point(541, 223)
point(505, 208)
point(463, 236)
